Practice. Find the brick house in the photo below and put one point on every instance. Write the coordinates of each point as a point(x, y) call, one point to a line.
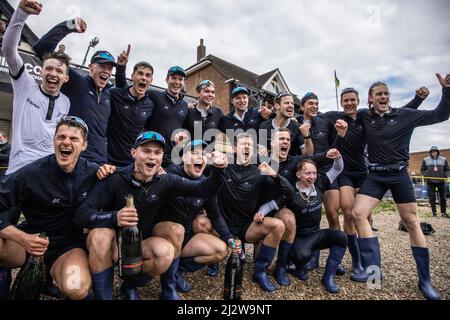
point(227, 76)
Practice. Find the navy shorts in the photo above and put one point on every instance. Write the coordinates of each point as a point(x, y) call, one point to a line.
point(400, 184)
point(59, 247)
point(187, 237)
point(352, 180)
point(240, 231)
point(334, 186)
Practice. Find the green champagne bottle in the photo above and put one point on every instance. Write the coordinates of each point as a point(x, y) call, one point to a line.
point(30, 279)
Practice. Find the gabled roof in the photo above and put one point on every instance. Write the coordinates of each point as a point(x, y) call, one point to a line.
point(232, 71)
point(28, 35)
point(238, 74)
point(263, 79)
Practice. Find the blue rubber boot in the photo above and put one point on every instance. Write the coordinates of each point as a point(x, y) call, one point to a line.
point(262, 262)
point(422, 257)
point(186, 265)
point(129, 291)
point(102, 282)
point(213, 270)
point(353, 248)
point(370, 258)
point(169, 282)
point(334, 259)
point(280, 270)
point(181, 284)
point(314, 262)
point(5, 282)
point(340, 270)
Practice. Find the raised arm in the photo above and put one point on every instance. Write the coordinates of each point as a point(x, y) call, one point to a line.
point(11, 39)
point(421, 94)
point(49, 42)
point(338, 165)
point(207, 188)
point(441, 113)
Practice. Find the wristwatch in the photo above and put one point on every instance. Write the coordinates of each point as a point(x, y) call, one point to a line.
point(308, 137)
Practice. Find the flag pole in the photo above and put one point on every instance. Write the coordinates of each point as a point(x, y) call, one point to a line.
point(337, 99)
point(336, 83)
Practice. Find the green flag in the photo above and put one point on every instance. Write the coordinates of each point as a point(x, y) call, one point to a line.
point(338, 83)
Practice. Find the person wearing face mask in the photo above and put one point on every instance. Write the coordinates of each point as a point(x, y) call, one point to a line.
point(36, 108)
point(170, 110)
point(130, 109)
point(354, 153)
point(89, 95)
point(388, 133)
point(103, 213)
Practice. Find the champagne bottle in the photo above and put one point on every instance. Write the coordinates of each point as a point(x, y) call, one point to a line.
point(30, 279)
point(233, 274)
point(130, 249)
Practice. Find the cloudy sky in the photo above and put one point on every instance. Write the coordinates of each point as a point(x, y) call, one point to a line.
point(403, 42)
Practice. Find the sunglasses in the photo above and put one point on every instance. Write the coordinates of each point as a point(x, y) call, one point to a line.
point(104, 55)
point(282, 95)
point(151, 136)
point(75, 121)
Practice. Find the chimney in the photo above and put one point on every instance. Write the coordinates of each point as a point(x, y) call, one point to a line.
point(201, 50)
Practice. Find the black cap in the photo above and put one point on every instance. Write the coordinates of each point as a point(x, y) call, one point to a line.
point(149, 136)
point(103, 57)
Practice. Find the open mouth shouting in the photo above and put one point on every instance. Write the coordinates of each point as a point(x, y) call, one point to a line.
point(284, 149)
point(65, 153)
point(52, 83)
point(198, 168)
point(150, 165)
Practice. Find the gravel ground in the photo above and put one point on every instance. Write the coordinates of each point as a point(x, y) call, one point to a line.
point(399, 270)
point(398, 266)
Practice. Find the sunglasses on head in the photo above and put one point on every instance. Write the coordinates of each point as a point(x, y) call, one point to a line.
point(151, 136)
point(71, 120)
